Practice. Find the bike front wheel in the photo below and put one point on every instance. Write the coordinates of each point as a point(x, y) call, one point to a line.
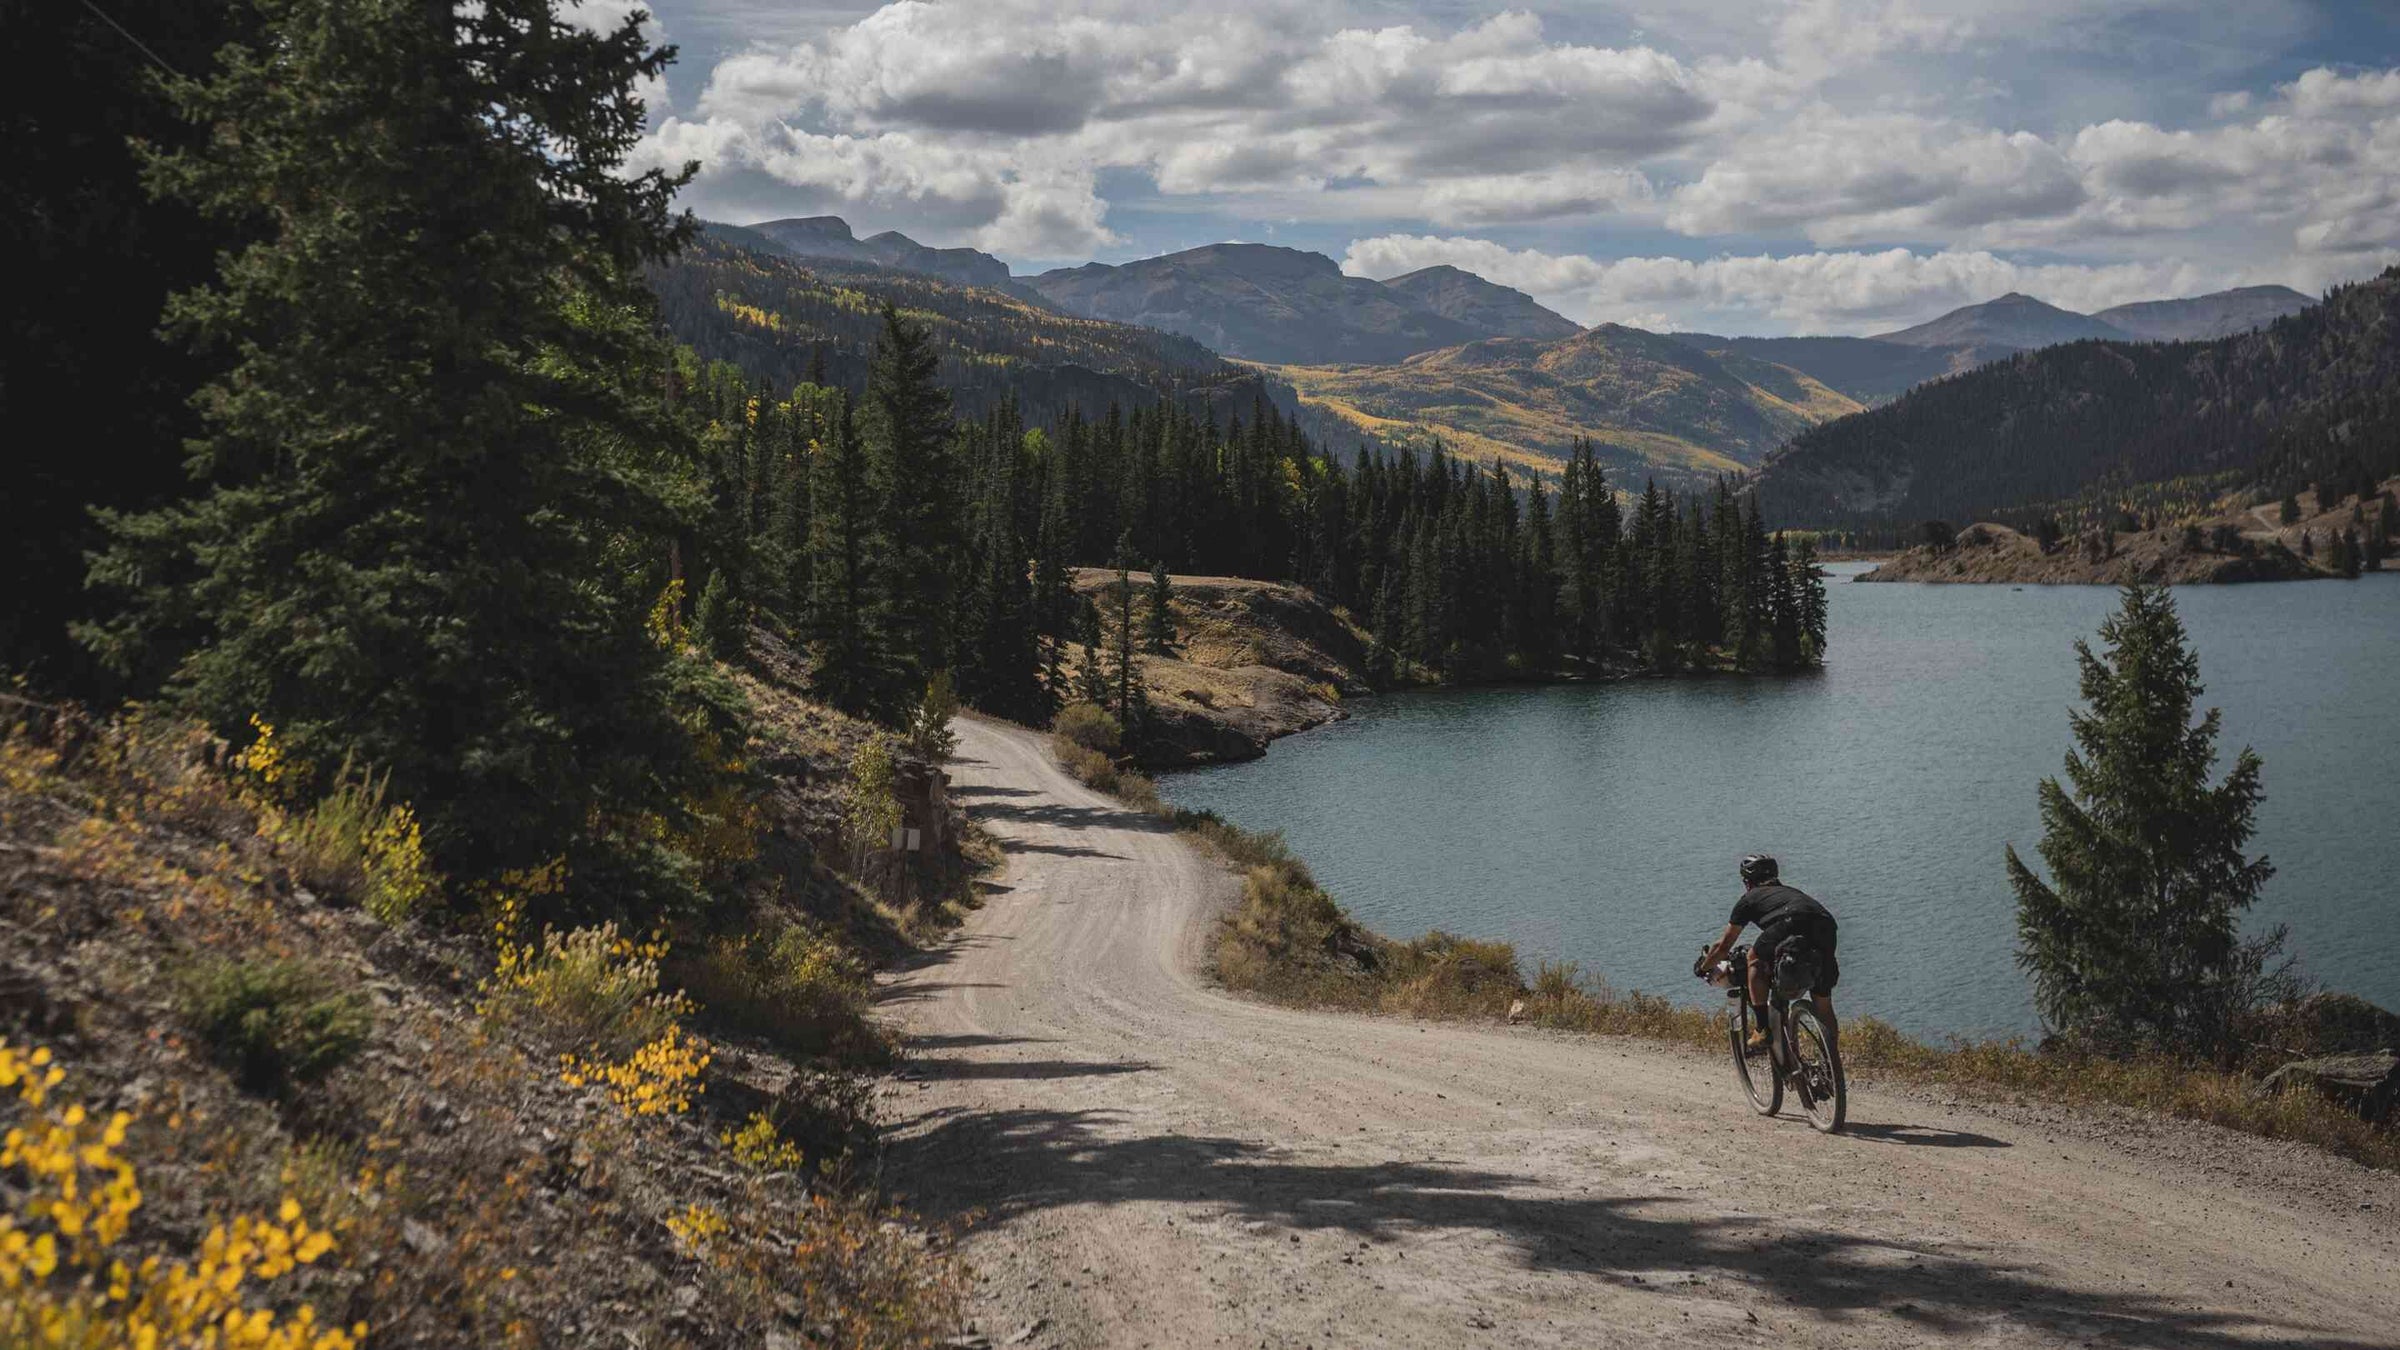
point(1817, 1073)
point(1759, 1077)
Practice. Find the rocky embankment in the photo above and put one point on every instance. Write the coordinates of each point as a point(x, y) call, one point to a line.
point(1252, 660)
point(1996, 554)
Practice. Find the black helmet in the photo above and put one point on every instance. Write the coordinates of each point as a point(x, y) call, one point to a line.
point(1758, 869)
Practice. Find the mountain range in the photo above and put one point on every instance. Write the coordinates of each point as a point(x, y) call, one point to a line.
point(1442, 352)
point(1254, 302)
point(829, 237)
point(736, 294)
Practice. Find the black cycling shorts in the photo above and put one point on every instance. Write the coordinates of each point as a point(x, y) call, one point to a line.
point(1817, 934)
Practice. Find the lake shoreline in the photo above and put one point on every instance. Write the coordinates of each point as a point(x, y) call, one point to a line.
point(1591, 819)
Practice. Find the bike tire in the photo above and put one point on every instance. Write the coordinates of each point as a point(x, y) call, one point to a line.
point(1817, 1075)
point(1766, 1099)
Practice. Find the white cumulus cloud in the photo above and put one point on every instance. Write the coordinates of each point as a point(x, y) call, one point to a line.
point(1823, 292)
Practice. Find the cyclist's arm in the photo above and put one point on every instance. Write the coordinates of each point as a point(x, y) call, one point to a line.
point(1733, 932)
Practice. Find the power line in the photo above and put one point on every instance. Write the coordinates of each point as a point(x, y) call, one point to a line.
point(155, 58)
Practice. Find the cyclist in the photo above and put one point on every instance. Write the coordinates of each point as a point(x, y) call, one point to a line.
point(1786, 918)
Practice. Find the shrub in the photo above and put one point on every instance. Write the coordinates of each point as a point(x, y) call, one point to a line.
point(929, 734)
point(794, 984)
point(1081, 724)
point(1088, 767)
point(1441, 975)
point(758, 1144)
point(589, 992)
point(872, 808)
point(69, 1277)
point(1139, 792)
point(275, 1023)
point(351, 846)
point(1289, 940)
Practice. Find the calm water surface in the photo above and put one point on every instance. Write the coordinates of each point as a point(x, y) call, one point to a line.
point(1601, 823)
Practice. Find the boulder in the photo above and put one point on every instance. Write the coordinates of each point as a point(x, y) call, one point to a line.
point(2367, 1084)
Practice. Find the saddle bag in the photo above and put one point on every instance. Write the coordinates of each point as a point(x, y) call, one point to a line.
point(1795, 971)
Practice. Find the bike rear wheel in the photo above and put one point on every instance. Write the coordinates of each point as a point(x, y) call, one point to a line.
point(1817, 1074)
point(1759, 1078)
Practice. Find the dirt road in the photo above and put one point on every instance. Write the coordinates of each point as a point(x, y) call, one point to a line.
point(1148, 1161)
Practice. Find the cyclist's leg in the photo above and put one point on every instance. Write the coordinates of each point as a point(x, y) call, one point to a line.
point(1829, 974)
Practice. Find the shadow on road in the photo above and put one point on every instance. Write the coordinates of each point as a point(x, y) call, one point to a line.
point(1058, 850)
point(891, 994)
point(1923, 1136)
point(1008, 1163)
point(967, 1039)
point(1068, 817)
point(987, 790)
point(980, 1069)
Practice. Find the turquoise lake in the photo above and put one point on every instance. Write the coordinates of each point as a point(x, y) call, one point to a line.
point(1600, 823)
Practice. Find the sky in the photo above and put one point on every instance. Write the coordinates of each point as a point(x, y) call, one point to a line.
point(1732, 166)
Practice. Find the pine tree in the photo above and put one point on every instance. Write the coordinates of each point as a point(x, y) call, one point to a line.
point(719, 621)
point(905, 419)
point(999, 640)
point(849, 617)
point(2289, 512)
point(1809, 584)
point(2133, 941)
point(436, 482)
point(1129, 701)
point(1159, 631)
point(1092, 683)
point(2345, 553)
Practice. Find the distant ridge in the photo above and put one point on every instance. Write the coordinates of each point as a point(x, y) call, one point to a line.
point(1259, 302)
point(829, 237)
point(2207, 316)
point(2015, 320)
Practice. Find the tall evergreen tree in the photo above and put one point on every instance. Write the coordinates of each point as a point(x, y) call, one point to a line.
point(905, 419)
point(436, 480)
point(2133, 940)
point(1158, 632)
point(849, 613)
point(999, 645)
point(1129, 699)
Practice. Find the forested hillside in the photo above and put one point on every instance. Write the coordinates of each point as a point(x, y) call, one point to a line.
point(900, 549)
point(2313, 397)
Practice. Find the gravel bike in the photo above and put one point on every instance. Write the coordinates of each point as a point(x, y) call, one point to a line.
point(1801, 1049)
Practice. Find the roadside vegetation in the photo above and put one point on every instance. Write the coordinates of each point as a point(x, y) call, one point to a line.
point(2162, 1009)
point(230, 1093)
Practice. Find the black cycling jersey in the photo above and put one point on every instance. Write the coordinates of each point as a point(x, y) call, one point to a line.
point(1775, 903)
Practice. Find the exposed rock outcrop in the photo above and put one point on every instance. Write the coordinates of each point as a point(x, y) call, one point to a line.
point(2367, 1084)
point(1252, 660)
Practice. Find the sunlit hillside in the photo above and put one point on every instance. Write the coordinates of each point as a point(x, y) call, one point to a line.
point(1650, 403)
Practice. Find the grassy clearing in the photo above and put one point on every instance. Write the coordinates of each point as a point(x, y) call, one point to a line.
point(1289, 941)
